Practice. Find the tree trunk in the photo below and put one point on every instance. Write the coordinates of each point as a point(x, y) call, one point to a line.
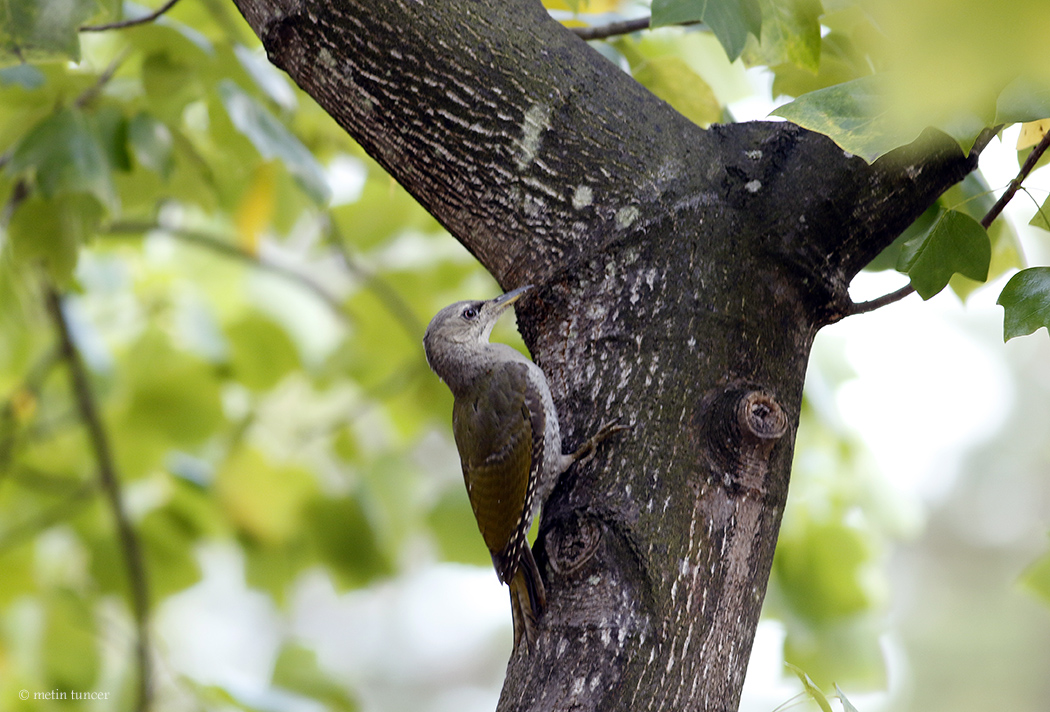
point(682, 274)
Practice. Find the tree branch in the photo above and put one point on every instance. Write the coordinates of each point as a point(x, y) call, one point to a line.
point(1027, 167)
point(133, 21)
point(873, 304)
point(110, 483)
point(625, 27)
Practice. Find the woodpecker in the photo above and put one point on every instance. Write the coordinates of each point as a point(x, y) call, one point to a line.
point(509, 441)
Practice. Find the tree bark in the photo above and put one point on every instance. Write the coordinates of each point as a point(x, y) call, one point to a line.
point(682, 274)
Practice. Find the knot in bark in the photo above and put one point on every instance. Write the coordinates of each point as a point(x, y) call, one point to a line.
point(571, 545)
point(739, 424)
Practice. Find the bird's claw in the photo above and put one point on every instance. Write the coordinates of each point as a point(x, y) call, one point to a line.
point(586, 452)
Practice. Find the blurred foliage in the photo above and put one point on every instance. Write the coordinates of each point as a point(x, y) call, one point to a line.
point(248, 290)
point(253, 339)
point(828, 586)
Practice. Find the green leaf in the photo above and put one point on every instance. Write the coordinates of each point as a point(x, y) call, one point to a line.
point(262, 352)
point(170, 83)
point(169, 535)
point(345, 540)
point(156, 413)
point(174, 392)
point(840, 61)
point(974, 197)
point(297, 670)
point(955, 243)
point(1026, 299)
point(1036, 578)
point(152, 143)
point(36, 30)
point(791, 33)
point(17, 563)
point(854, 115)
point(1041, 219)
point(671, 79)
point(730, 20)
point(111, 126)
point(50, 232)
point(1022, 100)
point(70, 646)
point(26, 76)
point(66, 154)
point(890, 257)
point(811, 689)
point(272, 140)
point(818, 571)
point(266, 501)
point(274, 567)
point(865, 117)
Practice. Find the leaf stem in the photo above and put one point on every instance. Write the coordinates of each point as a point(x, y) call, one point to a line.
point(110, 483)
point(1038, 206)
point(131, 22)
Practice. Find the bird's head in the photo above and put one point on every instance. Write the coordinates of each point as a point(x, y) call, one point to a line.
point(465, 323)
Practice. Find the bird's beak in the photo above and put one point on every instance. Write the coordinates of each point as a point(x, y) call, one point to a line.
point(505, 300)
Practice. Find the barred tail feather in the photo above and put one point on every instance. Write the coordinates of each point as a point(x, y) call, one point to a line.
point(527, 600)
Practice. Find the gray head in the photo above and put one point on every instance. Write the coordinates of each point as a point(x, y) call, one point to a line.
point(458, 329)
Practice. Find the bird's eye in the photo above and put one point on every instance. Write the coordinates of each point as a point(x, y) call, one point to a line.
point(470, 313)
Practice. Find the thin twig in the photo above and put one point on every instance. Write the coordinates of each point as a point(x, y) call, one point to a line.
point(103, 79)
point(110, 483)
point(1027, 167)
point(613, 29)
point(228, 249)
point(386, 294)
point(872, 305)
point(133, 21)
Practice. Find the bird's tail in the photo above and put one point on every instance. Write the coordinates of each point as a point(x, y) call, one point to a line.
point(527, 599)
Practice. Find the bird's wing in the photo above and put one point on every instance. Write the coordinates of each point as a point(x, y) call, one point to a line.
point(499, 429)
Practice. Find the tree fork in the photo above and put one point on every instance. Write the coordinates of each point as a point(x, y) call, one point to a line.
point(681, 276)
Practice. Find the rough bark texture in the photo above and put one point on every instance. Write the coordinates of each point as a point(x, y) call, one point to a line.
point(682, 276)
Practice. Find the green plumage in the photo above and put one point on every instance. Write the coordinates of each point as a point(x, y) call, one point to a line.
point(493, 430)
